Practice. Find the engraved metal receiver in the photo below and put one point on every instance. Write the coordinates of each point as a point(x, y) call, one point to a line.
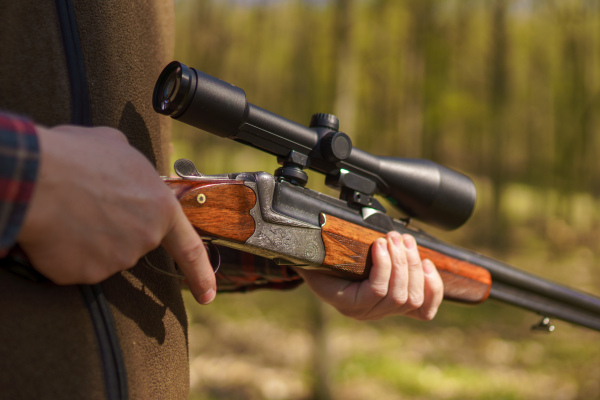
point(285, 240)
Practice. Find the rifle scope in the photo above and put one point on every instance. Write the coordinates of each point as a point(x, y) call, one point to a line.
point(419, 188)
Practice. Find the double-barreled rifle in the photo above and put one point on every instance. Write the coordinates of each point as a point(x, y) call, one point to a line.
point(276, 217)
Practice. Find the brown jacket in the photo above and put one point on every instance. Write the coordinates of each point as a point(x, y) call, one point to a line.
point(91, 62)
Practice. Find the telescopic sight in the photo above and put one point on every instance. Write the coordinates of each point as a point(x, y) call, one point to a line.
point(421, 189)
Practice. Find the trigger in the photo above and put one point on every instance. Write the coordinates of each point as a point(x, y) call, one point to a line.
point(213, 255)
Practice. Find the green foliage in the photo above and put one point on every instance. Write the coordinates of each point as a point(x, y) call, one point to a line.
point(505, 91)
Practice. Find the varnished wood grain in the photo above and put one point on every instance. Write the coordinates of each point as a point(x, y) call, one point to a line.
point(224, 212)
point(347, 248)
point(347, 254)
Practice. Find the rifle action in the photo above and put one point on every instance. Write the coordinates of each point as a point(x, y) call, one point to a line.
point(275, 216)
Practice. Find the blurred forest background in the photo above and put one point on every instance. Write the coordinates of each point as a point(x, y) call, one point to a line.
point(506, 91)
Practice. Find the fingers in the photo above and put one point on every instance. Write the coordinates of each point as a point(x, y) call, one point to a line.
point(187, 249)
point(399, 277)
point(380, 275)
point(111, 205)
point(399, 284)
point(413, 287)
point(415, 275)
point(433, 292)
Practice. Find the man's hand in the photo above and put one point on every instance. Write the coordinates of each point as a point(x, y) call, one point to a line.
point(99, 206)
point(399, 284)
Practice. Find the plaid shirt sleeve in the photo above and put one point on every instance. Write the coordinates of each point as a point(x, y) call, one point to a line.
point(19, 159)
point(243, 272)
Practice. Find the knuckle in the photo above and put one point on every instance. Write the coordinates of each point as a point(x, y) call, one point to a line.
point(415, 301)
point(346, 311)
point(128, 261)
point(400, 299)
point(85, 266)
point(380, 291)
point(358, 316)
point(62, 279)
point(436, 284)
point(91, 279)
point(169, 206)
point(150, 239)
point(414, 263)
point(76, 272)
point(354, 313)
point(91, 275)
point(427, 314)
point(121, 260)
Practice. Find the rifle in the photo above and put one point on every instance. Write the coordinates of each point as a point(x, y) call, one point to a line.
point(277, 217)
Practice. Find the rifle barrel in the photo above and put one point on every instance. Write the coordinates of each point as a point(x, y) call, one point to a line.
point(546, 306)
point(518, 288)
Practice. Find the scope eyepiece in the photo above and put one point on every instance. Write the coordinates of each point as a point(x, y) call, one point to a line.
point(174, 89)
point(215, 106)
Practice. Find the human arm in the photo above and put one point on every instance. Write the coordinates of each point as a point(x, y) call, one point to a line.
point(400, 283)
point(79, 231)
point(98, 206)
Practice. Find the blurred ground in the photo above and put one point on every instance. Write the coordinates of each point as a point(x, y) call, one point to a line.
point(262, 346)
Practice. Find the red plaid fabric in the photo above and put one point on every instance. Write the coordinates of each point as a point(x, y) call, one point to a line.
point(19, 159)
point(243, 272)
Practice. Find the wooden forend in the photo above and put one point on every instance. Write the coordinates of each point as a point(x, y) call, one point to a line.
point(347, 254)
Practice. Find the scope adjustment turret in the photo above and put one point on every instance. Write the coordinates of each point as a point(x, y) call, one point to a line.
point(322, 120)
point(336, 146)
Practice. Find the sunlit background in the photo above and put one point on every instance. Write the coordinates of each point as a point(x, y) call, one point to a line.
point(507, 92)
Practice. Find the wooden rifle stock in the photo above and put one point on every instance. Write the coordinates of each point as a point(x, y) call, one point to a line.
point(220, 210)
point(347, 254)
